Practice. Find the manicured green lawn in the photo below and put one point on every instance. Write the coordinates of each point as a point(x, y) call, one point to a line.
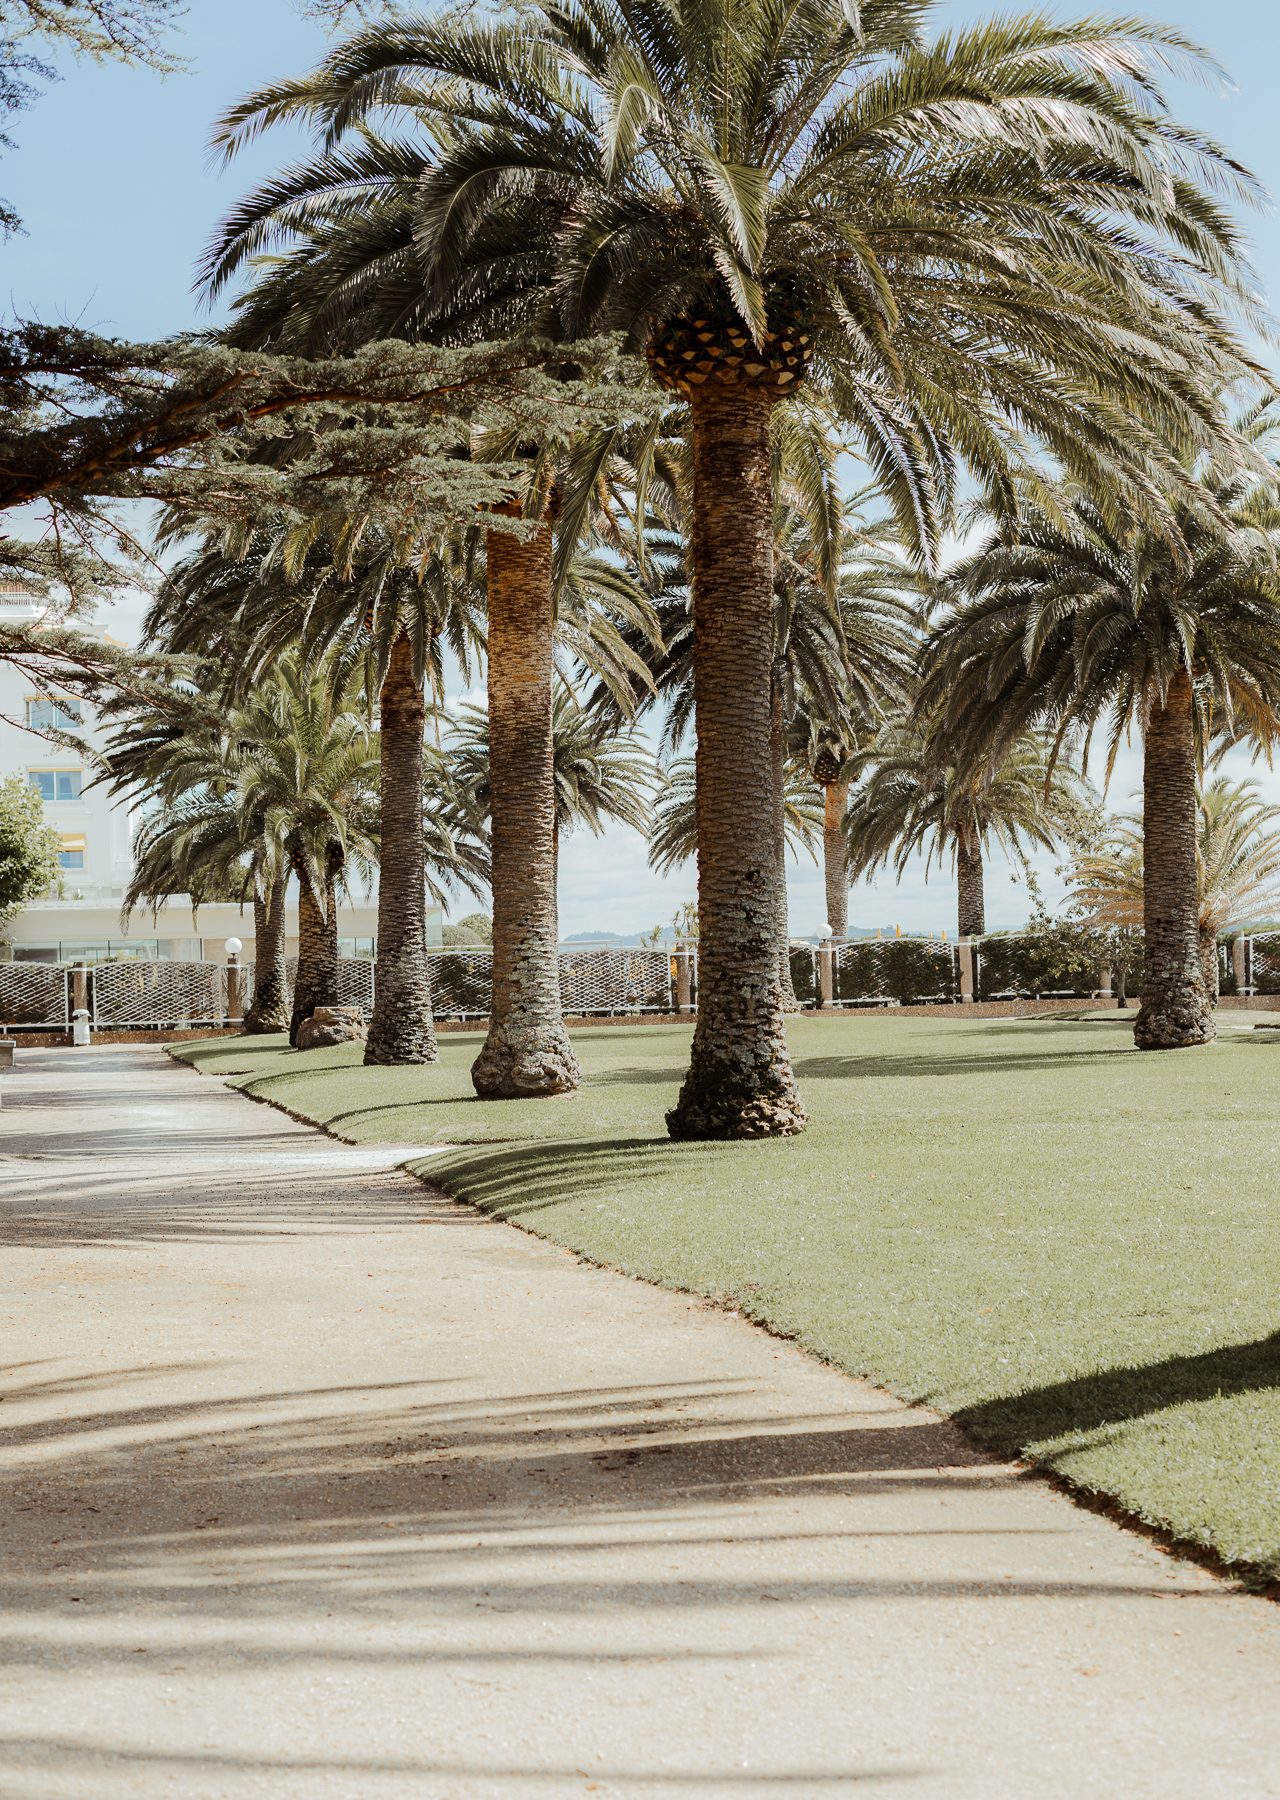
point(1073, 1248)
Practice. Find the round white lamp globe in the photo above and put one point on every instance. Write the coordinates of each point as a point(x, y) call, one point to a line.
point(824, 930)
point(233, 946)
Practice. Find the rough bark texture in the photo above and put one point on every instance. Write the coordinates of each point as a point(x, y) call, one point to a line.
point(402, 1029)
point(317, 978)
point(270, 1009)
point(528, 1051)
point(1175, 1011)
point(972, 919)
point(1209, 965)
point(740, 1082)
point(778, 761)
point(835, 807)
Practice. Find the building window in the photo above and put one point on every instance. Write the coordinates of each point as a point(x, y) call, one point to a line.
point(61, 714)
point(71, 859)
point(56, 784)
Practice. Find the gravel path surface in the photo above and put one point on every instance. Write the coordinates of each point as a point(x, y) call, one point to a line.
point(318, 1485)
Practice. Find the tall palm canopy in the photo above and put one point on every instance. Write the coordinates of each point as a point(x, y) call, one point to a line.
point(1077, 627)
point(985, 233)
point(996, 235)
point(910, 798)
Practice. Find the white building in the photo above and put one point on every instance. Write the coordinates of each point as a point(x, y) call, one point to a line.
point(97, 850)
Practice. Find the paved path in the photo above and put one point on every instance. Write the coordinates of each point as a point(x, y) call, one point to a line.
point(316, 1485)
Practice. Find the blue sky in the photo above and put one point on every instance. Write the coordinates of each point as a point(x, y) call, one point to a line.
point(113, 181)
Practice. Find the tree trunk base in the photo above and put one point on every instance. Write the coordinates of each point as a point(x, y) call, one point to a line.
point(265, 1022)
point(707, 1111)
point(526, 1063)
point(401, 1035)
point(270, 1010)
point(1180, 1023)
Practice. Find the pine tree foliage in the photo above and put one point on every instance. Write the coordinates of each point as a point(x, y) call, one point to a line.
point(378, 437)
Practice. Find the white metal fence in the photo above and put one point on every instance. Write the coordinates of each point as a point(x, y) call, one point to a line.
point(158, 993)
point(34, 994)
point(594, 979)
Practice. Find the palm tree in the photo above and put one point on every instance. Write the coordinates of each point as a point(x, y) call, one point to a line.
point(597, 773)
point(199, 840)
point(841, 638)
point(995, 234)
point(397, 605)
point(1075, 624)
point(842, 663)
point(290, 779)
point(1237, 870)
point(910, 797)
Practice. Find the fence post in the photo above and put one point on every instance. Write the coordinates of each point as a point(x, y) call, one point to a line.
point(684, 987)
point(966, 968)
point(1238, 964)
point(826, 973)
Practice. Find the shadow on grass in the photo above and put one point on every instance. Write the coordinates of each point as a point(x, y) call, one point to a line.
point(531, 1176)
point(1090, 1403)
point(932, 1062)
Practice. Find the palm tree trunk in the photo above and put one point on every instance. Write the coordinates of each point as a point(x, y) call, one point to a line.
point(1175, 1007)
point(972, 916)
point(270, 1009)
point(778, 759)
point(317, 979)
point(1209, 964)
point(835, 806)
point(309, 983)
point(402, 1029)
point(527, 1052)
point(739, 1082)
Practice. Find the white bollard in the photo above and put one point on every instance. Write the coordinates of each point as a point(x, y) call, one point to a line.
point(80, 1026)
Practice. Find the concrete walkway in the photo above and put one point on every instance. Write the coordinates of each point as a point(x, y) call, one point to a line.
point(316, 1484)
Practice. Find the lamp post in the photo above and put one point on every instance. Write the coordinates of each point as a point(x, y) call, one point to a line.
point(233, 949)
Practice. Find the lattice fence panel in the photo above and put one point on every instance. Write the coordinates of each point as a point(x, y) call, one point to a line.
point(615, 981)
point(591, 981)
point(903, 969)
point(159, 993)
point(461, 983)
point(355, 983)
point(1264, 962)
point(33, 994)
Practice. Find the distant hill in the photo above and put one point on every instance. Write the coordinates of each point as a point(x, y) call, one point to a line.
point(603, 937)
